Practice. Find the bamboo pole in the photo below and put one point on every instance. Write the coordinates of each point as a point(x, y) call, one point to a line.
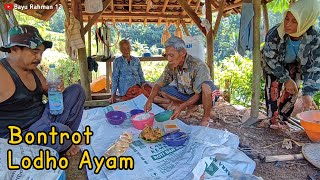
point(192, 15)
point(220, 14)
point(185, 29)
point(209, 37)
point(256, 77)
point(89, 52)
point(82, 56)
point(265, 17)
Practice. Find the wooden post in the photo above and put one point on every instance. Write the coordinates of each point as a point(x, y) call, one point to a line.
point(108, 64)
point(83, 64)
point(220, 14)
point(265, 17)
point(256, 76)
point(184, 4)
point(185, 29)
point(89, 51)
point(209, 37)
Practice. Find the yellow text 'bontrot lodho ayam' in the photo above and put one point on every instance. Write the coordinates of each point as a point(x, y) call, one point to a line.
point(47, 161)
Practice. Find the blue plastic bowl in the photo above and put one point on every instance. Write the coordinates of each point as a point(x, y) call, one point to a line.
point(136, 111)
point(175, 139)
point(116, 117)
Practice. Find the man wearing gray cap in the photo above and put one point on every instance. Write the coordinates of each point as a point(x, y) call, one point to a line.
point(22, 86)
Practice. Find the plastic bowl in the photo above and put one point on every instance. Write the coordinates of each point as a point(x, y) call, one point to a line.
point(310, 121)
point(141, 124)
point(116, 117)
point(136, 111)
point(175, 139)
point(163, 116)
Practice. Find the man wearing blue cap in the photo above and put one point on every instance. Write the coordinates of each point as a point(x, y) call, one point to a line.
point(22, 86)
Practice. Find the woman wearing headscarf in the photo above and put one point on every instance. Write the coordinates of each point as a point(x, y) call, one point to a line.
point(291, 54)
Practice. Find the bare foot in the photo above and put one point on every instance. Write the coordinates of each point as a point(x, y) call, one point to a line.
point(204, 123)
point(190, 111)
point(73, 150)
point(173, 105)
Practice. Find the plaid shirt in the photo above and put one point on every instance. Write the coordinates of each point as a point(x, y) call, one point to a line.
point(188, 80)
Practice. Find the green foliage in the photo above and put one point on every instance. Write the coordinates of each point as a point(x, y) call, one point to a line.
point(316, 98)
point(69, 70)
point(29, 20)
point(56, 23)
point(278, 5)
point(153, 70)
point(234, 75)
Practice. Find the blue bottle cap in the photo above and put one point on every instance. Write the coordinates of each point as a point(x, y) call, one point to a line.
point(52, 66)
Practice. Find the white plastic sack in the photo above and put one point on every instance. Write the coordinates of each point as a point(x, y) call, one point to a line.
point(18, 152)
point(195, 46)
point(225, 163)
point(93, 6)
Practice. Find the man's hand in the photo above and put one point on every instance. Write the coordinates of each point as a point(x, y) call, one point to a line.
point(148, 106)
point(308, 103)
point(112, 99)
point(291, 87)
point(176, 112)
point(61, 85)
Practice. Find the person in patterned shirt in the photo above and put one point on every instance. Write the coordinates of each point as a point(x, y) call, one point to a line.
point(185, 81)
point(127, 75)
point(291, 54)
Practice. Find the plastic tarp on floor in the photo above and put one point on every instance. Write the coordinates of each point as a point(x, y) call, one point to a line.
point(208, 151)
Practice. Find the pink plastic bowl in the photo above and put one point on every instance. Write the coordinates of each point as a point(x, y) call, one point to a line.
point(141, 124)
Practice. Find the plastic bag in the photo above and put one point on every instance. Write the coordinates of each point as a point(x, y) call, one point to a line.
point(195, 46)
point(223, 162)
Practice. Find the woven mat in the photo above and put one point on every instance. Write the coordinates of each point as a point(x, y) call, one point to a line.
point(311, 152)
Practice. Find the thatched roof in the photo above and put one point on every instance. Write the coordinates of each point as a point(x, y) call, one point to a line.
point(131, 11)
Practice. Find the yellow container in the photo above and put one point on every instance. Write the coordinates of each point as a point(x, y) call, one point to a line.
point(98, 84)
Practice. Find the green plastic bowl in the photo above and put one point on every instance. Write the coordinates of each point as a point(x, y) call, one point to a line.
point(163, 116)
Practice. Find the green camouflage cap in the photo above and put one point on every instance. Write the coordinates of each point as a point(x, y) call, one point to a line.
point(26, 36)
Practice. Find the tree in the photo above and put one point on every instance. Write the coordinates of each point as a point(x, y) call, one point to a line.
point(56, 22)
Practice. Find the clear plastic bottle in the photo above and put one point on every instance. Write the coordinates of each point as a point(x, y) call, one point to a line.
point(55, 97)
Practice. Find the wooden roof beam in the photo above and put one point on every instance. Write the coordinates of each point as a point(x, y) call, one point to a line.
point(165, 4)
point(229, 7)
point(150, 21)
point(218, 20)
point(112, 11)
point(185, 29)
point(184, 12)
point(106, 3)
point(197, 8)
point(138, 15)
point(130, 10)
point(149, 2)
point(192, 15)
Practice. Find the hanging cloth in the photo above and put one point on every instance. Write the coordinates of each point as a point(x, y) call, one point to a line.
point(93, 6)
point(7, 20)
point(246, 29)
point(102, 35)
point(74, 40)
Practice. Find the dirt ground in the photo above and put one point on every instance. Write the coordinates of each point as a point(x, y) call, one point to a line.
point(255, 142)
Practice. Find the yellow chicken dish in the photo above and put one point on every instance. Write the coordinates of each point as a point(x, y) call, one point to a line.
point(150, 134)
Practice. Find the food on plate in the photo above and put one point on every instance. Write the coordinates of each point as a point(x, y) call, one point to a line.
point(120, 146)
point(150, 134)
